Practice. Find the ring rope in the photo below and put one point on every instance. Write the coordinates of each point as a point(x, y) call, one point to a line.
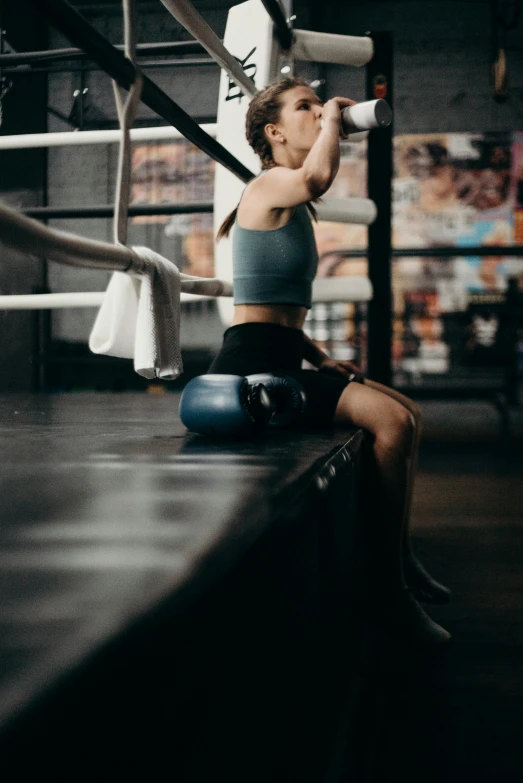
point(189, 17)
point(126, 115)
point(23, 233)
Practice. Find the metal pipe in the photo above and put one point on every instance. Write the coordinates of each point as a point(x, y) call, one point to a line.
point(360, 211)
point(107, 210)
point(443, 252)
point(282, 29)
point(72, 53)
point(455, 252)
point(185, 62)
point(379, 78)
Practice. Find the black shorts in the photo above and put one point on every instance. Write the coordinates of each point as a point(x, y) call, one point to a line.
point(264, 347)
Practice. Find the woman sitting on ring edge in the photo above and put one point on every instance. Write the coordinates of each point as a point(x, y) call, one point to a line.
point(297, 138)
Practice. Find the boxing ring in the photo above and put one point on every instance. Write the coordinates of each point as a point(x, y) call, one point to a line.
point(374, 211)
point(170, 600)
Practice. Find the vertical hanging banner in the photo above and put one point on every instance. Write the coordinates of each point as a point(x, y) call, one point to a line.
point(249, 38)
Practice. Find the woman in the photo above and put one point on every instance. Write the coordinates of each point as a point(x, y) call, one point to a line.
point(275, 259)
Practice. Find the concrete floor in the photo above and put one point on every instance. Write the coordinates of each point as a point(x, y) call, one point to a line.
point(460, 717)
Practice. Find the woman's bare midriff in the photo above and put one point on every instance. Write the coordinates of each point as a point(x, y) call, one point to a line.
point(283, 315)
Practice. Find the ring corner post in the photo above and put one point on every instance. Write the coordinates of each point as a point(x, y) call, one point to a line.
point(379, 84)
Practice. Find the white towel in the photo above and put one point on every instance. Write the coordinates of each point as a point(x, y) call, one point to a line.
point(140, 318)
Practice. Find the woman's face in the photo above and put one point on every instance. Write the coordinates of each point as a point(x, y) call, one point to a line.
point(300, 117)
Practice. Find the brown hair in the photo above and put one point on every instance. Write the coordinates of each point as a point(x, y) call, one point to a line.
point(263, 109)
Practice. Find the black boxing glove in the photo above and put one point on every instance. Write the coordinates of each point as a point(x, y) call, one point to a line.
point(287, 395)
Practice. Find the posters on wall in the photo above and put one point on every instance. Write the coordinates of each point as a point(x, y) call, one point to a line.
point(177, 172)
point(459, 190)
point(454, 189)
point(463, 190)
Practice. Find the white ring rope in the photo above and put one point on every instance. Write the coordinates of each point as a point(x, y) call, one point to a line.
point(70, 300)
point(73, 138)
point(23, 233)
point(23, 141)
point(187, 15)
point(353, 288)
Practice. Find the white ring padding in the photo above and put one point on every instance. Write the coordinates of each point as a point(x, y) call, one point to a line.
point(72, 138)
point(51, 301)
point(357, 288)
point(187, 15)
point(325, 289)
point(329, 48)
point(361, 211)
point(70, 300)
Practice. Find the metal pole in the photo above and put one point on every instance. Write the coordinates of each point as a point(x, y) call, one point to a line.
point(180, 62)
point(107, 210)
point(379, 85)
point(59, 55)
point(282, 29)
point(442, 252)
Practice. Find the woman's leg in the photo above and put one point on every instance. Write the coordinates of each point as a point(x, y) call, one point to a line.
point(392, 427)
point(415, 412)
point(425, 587)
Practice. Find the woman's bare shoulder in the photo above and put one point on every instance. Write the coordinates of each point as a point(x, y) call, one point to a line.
point(281, 187)
point(256, 210)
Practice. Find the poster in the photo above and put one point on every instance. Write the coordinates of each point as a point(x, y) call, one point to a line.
point(177, 172)
point(458, 189)
point(455, 189)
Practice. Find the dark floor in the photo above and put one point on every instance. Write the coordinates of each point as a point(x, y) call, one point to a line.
point(459, 717)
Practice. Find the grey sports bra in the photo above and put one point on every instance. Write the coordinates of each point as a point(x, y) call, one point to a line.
point(275, 266)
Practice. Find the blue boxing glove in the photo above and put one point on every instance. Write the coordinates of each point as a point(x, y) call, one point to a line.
point(233, 406)
point(287, 396)
point(225, 405)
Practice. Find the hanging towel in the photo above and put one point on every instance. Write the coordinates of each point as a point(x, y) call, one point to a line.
point(140, 318)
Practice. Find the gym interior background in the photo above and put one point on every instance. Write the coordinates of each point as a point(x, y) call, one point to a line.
point(458, 320)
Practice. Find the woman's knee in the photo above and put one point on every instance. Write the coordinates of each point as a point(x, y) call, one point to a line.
point(406, 402)
point(397, 430)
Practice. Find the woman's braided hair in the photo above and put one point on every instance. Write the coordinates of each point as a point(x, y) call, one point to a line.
point(263, 109)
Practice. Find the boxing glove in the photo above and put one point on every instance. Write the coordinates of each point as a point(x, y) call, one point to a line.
point(233, 406)
point(225, 405)
point(287, 396)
